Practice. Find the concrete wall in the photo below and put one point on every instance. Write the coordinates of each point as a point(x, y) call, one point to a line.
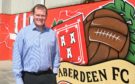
point(0, 6)
point(6, 6)
point(60, 3)
point(21, 6)
point(17, 6)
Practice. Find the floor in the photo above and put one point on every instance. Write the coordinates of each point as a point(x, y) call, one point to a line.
point(6, 75)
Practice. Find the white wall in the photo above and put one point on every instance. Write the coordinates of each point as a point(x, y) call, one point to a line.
point(21, 6)
point(0, 6)
point(39, 2)
point(60, 3)
point(6, 6)
point(18, 6)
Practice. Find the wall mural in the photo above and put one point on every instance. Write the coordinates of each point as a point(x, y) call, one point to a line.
point(96, 41)
point(9, 27)
point(105, 46)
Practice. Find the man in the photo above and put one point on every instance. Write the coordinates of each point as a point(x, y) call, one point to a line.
point(36, 53)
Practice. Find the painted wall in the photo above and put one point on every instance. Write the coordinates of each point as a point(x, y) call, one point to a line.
point(115, 67)
point(12, 23)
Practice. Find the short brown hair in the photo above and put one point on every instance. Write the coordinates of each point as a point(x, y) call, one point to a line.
point(39, 6)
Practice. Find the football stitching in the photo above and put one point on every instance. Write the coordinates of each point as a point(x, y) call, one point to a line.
point(109, 35)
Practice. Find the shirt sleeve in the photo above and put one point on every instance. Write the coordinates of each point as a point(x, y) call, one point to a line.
point(56, 62)
point(19, 81)
point(17, 58)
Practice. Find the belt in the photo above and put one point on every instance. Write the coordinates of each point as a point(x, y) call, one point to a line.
point(38, 73)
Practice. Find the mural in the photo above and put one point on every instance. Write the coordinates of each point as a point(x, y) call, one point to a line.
point(70, 35)
point(108, 31)
point(96, 41)
point(9, 27)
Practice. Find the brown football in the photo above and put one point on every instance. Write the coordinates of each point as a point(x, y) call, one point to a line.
point(107, 36)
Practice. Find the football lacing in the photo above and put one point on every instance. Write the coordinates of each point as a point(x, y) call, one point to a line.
point(108, 35)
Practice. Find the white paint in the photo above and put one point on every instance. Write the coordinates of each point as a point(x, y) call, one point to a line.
point(16, 24)
point(12, 36)
point(69, 54)
point(24, 19)
point(31, 19)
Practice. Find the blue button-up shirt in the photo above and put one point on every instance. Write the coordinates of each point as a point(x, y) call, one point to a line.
point(35, 51)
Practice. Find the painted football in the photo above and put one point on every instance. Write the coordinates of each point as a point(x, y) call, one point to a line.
point(107, 36)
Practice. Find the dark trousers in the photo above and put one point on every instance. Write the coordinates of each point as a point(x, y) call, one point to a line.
point(46, 77)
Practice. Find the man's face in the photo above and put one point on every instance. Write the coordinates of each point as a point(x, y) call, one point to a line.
point(39, 17)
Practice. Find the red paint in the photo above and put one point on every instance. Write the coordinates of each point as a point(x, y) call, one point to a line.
point(71, 41)
point(7, 22)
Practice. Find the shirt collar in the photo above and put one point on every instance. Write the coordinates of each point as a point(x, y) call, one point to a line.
point(33, 26)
